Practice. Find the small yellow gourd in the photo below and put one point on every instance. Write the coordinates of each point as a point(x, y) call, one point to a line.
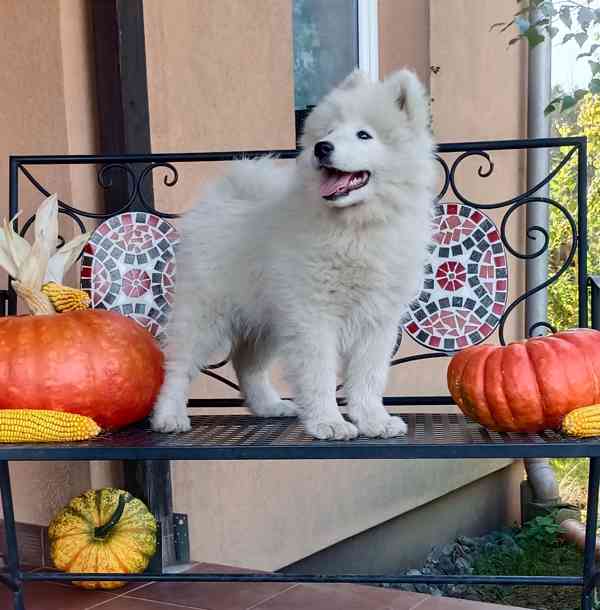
point(40, 426)
point(583, 422)
point(64, 298)
point(103, 531)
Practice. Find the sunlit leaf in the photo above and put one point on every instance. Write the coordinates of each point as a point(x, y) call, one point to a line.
point(522, 24)
point(547, 9)
point(568, 37)
point(585, 15)
point(533, 37)
point(565, 16)
point(568, 101)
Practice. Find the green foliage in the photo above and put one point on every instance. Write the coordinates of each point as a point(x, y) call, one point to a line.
point(540, 552)
point(562, 295)
point(537, 20)
point(572, 477)
point(541, 530)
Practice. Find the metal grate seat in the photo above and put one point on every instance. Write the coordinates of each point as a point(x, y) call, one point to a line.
point(239, 437)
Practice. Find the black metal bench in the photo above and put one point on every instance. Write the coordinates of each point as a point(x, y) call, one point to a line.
point(243, 437)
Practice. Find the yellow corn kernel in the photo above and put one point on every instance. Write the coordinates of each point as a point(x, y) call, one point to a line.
point(64, 298)
point(583, 422)
point(41, 426)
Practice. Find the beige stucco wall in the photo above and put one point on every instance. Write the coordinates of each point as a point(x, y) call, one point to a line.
point(46, 106)
point(405, 542)
point(404, 36)
point(220, 77)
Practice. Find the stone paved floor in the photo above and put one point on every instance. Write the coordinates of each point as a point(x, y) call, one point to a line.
point(233, 596)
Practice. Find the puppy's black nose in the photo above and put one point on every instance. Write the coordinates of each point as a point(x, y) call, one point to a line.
point(323, 149)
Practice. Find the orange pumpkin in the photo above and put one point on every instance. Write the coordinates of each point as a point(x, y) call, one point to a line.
point(95, 363)
point(529, 385)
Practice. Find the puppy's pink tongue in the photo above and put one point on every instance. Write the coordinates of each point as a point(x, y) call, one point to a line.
point(334, 182)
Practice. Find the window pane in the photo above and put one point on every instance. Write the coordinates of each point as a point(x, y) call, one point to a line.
point(325, 46)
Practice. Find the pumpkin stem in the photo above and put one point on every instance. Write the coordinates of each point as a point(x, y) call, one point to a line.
point(37, 302)
point(103, 530)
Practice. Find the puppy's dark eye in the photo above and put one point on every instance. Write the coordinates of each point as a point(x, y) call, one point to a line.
point(363, 135)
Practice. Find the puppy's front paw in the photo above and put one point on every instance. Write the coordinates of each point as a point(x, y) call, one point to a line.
point(168, 420)
point(339, 430)
point(382, 427)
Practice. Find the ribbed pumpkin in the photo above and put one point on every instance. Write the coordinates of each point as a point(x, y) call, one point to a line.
point(95, 363)
point(103, 531)
point(529, 385)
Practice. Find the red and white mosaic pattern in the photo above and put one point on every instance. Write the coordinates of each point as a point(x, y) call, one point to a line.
point(466, 281)
point(128, 266)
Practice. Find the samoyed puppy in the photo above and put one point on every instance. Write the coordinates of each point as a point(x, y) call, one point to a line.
point(310, 262)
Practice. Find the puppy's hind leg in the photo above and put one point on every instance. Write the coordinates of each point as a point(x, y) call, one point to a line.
point(251, 361)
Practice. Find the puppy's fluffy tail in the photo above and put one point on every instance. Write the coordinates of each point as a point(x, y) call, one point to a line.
point(263, 179)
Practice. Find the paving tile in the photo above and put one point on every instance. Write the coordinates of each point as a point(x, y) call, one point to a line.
point(234, 596)
point(49, 596)
point(342, 597)
point(448, 603)
point(211, 596)
point(128, 603)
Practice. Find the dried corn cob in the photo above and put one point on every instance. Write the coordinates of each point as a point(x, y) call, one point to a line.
point(583, 422)
point(64, 298)
point(32, 265)
point(39, 426)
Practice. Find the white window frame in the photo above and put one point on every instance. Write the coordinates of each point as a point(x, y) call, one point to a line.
point(368, 37)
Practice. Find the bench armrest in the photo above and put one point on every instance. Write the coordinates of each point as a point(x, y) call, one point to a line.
point(594, 284)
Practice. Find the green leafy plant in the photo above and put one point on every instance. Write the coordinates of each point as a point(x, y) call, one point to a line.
point(540, 551)
point(562, 295)
point(576, 21)
point(572, 477)
point(541, 530)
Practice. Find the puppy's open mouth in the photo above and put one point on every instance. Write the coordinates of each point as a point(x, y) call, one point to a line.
point(336, 184)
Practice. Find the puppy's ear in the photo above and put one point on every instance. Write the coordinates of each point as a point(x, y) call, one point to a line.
point(410, 95)
point(354, 79)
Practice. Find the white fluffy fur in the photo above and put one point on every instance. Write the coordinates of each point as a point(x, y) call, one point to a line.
point(270, 269)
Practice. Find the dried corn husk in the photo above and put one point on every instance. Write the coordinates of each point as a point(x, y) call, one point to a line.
point(31, 266)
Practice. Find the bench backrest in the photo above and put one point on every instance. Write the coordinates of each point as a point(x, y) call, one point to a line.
point(128, 265)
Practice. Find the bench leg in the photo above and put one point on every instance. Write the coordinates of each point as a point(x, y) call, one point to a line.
point(14, 573)
point(150, 480)
point(589, 561)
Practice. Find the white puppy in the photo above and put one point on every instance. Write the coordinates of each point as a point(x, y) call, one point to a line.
point(310, 261)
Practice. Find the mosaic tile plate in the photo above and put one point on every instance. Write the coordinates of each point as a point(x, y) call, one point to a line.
point(466, 281)
point(128, 266)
